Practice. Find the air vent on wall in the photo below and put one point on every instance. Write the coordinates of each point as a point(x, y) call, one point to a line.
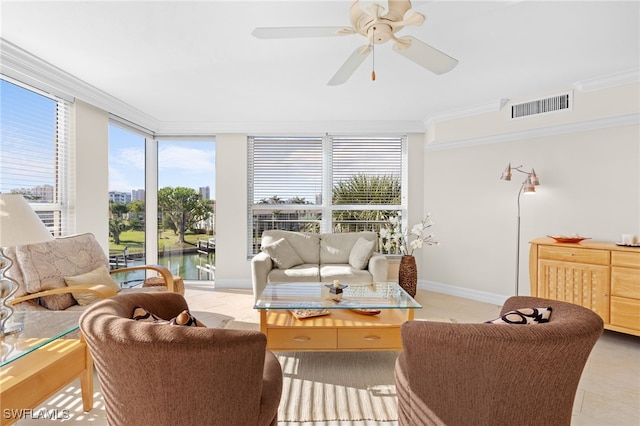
point(541, 106)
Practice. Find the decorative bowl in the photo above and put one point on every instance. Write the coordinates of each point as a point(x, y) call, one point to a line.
point(568, 239)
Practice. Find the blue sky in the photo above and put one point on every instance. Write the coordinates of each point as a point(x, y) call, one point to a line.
point(180, 163)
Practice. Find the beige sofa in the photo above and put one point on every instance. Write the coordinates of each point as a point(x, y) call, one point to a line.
point(310, 257)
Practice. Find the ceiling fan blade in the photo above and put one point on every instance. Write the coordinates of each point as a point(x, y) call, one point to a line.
point(300, 32)
point(424, 55)
point(351, 64)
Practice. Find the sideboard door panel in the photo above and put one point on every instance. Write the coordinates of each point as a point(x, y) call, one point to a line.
point(582, 284)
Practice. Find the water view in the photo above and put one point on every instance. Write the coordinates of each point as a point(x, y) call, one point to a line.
point(189, 266)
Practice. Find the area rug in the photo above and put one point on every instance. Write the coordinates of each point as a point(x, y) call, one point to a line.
point(326, 386)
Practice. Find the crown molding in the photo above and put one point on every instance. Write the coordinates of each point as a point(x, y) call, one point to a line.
point(600, 123)
point(294, 127)
point(493, 106)
point(22, 66)
point(624, 77)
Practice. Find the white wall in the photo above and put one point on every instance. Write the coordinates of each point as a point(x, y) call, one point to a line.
point(589, 184)
point(232, 267)
point(90, 130)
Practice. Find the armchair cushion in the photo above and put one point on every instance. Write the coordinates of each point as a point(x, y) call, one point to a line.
point(99, 275)
point(282, 254)
point(361, 252)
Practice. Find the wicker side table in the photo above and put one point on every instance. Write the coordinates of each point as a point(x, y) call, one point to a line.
point(178, 283)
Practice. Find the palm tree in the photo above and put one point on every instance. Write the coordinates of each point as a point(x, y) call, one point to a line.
point(365, 189)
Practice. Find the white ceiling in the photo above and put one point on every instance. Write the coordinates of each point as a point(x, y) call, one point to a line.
point(196, 63)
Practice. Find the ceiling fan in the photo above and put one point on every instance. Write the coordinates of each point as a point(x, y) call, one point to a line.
point(378, 25)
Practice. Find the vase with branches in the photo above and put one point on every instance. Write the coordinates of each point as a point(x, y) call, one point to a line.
point(394, 241)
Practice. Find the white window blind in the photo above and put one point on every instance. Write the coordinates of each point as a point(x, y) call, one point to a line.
point(366, 170)
point(286, 170)
point(34, 152)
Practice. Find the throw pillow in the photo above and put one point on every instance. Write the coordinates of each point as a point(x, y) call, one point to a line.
point(141, 314)
point(361, 252)
point(523, 316)
point(282, 254)
point(99, 275)
point(184, 318)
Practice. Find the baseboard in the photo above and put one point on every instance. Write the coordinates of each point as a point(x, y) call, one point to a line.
point(467, 293)
point(233, 283)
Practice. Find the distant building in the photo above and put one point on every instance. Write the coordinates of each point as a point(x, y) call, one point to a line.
point(119, 197)
point(37, 194)
point(137, 195)
point(205, 192)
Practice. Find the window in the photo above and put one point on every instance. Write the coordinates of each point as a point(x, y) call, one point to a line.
point(127, 202)
point(324, 184)
point(186, 207)
point(34, 153)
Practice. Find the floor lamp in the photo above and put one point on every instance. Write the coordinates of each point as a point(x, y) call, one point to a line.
point(19, 224)
point(528, 186)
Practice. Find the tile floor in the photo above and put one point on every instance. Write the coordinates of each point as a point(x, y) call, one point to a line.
point(608, 394)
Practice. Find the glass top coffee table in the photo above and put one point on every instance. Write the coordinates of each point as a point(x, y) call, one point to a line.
point(310, 317)
point(37, 362)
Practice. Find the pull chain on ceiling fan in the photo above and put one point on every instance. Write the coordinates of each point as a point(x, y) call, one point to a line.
point(377, 27)
point(373, 57)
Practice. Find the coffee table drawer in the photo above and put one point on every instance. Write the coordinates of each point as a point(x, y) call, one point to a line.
point(369, 338)
point(301, 338)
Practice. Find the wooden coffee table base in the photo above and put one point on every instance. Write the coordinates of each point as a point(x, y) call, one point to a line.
point(342, 330)
point(29, 381)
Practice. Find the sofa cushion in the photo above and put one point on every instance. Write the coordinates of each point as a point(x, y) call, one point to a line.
point(361, 252)
point(336, 247)
point(282, 254)
point(306, 245)
point(344, 273)
point(99, 275)
point(44, 265)
point(302, 273)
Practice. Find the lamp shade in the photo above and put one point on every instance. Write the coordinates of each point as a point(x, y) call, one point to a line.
point(506, 175)
point(19, 224)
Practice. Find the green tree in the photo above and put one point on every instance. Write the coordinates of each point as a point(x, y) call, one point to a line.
point(137, 208)
point(182, 207)
point(116, 227)
point(118, 210)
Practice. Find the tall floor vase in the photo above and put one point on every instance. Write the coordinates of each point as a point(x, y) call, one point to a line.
point(408, 275)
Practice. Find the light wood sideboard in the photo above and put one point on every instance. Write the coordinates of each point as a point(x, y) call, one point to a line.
point(601, 276)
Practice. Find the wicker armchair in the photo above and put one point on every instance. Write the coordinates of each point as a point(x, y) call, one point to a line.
point(495, 374)
point(41, 268)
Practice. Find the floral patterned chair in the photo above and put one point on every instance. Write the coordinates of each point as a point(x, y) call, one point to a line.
point(69, 273)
